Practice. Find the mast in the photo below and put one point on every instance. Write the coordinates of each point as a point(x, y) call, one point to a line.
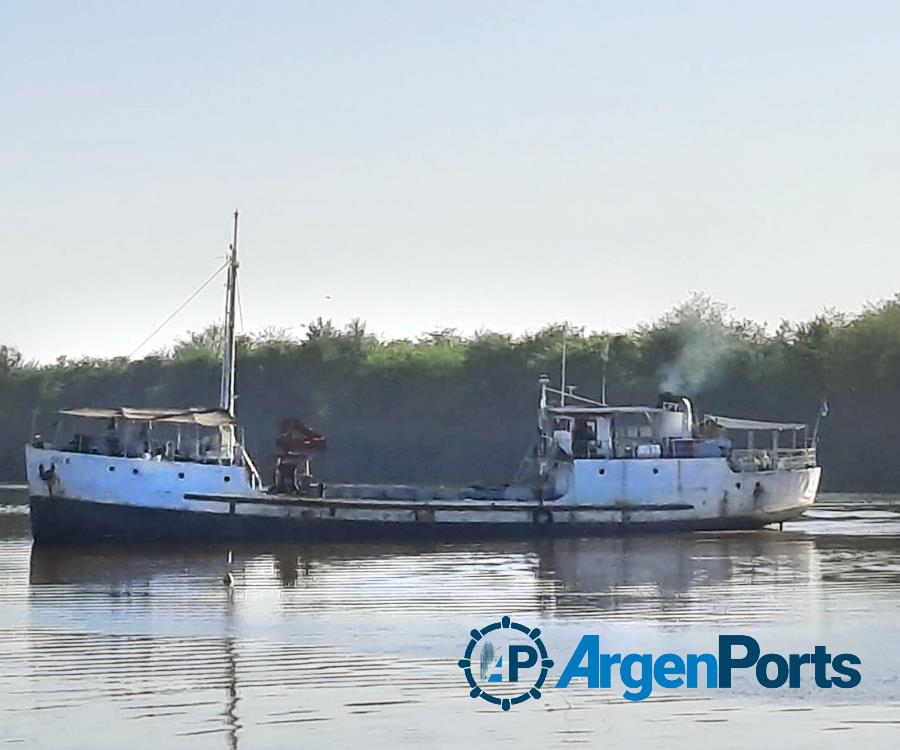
point(226, 393)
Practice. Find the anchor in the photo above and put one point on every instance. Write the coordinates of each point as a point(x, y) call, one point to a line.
point(48, 476)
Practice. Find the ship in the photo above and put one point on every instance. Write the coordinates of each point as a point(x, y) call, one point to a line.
point(118, 474)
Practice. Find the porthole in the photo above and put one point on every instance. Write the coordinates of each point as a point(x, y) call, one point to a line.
point(602, 472)
point(227, 478)
point(112, 468)
point(66, 461)
point(737, 485)
point(181, 475)
point(134, 471)
point(655, 470)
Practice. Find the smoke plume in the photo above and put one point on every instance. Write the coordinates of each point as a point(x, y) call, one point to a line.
point(704, 348)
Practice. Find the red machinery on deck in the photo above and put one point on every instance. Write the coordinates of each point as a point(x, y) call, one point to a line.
point(296, 444)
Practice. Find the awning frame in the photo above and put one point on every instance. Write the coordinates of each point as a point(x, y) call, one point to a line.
point(195, 415)
point(754, 425)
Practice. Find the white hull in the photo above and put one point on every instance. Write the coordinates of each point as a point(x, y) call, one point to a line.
point(596, 495)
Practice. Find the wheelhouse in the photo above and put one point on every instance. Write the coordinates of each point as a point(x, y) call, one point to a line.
point(588, 429)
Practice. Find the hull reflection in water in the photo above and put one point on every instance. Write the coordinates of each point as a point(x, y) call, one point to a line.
point(320, 645)
point(566, 577)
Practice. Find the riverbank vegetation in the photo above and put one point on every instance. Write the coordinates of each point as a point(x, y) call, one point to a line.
point(453, 408)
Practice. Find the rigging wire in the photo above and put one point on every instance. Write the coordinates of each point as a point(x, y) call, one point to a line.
point(180, 308)
point(240, 305)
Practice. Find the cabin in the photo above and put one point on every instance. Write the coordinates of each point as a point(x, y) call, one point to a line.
point(591, 430)
point(195, 435)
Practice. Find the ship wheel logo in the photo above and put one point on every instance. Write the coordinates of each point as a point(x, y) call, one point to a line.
point(510, 655)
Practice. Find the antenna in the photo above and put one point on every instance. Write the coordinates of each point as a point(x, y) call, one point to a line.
point(562, 375)
point(604, 356)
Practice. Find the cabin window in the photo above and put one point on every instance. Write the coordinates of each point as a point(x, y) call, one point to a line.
point(584, 438)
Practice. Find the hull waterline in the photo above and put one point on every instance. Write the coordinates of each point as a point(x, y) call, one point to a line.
point(62, 521)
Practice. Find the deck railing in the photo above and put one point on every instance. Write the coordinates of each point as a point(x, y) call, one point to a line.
point(758, 459)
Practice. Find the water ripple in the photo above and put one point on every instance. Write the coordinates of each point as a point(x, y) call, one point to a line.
point(137, 645)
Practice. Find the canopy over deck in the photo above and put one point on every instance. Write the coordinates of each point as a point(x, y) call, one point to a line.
point(575, 410)
point(730, 423)
point(194, 415)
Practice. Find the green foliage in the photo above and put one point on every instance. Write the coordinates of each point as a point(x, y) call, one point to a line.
point(447, 407)
point(9, 358)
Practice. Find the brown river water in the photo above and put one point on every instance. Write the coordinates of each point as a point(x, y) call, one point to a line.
point(343, 646)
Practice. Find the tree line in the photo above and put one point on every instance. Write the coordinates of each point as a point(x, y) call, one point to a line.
point(452, 408)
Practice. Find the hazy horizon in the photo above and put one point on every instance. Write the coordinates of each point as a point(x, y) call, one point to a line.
point(497, 166)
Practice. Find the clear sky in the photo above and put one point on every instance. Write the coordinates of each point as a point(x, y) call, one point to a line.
point(425, 164)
